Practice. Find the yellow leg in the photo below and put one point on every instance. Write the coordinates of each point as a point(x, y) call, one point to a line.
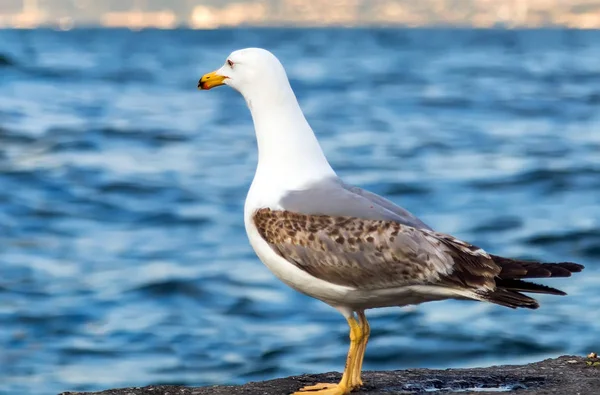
point(355, 380)
point(345, 386)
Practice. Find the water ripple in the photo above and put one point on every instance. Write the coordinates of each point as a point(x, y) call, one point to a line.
point(124, 256)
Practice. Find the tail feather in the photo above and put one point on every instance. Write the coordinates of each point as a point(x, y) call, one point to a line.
point(509, 284)
point(510, 299)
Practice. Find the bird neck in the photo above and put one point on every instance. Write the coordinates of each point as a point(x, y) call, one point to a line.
point(288, 150)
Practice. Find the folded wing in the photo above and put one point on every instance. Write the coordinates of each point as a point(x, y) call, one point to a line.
point(371, 254)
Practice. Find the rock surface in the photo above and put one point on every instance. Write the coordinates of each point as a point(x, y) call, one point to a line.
point(567, 375)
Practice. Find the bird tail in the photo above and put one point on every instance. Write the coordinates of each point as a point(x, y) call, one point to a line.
point(508, 298)
point(509, 284)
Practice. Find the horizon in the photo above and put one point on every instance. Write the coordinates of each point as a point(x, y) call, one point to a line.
point(197, 14)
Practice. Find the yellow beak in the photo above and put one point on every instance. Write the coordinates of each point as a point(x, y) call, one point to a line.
point(211, 80)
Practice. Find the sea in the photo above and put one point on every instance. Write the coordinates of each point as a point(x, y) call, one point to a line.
point(123, 255)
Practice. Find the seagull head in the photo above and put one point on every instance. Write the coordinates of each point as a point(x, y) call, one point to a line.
point(250, 71)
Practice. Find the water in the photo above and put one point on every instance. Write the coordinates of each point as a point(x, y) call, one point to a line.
point(123, 254)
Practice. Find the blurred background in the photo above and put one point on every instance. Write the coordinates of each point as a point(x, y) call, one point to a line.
point(123, 257)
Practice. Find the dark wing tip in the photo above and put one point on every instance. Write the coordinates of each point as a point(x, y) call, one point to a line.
point(572, 267)
point(525, 286)
point(517, 268)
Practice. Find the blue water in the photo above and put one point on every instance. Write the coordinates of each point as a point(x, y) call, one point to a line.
point(123, 257)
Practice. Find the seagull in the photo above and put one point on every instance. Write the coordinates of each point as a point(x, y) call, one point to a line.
point(344, 245)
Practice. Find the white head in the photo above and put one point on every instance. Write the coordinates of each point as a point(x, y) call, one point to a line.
point(286, 142)
point(254, 72)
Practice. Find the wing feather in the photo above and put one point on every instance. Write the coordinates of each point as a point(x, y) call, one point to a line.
point(374, 254)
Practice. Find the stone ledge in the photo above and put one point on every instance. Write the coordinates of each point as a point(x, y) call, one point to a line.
point(567, 375)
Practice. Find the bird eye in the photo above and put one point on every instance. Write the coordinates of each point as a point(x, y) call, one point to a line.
point(230, 63)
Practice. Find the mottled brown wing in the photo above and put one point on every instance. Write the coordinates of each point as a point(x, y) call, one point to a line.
point(374, 254)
